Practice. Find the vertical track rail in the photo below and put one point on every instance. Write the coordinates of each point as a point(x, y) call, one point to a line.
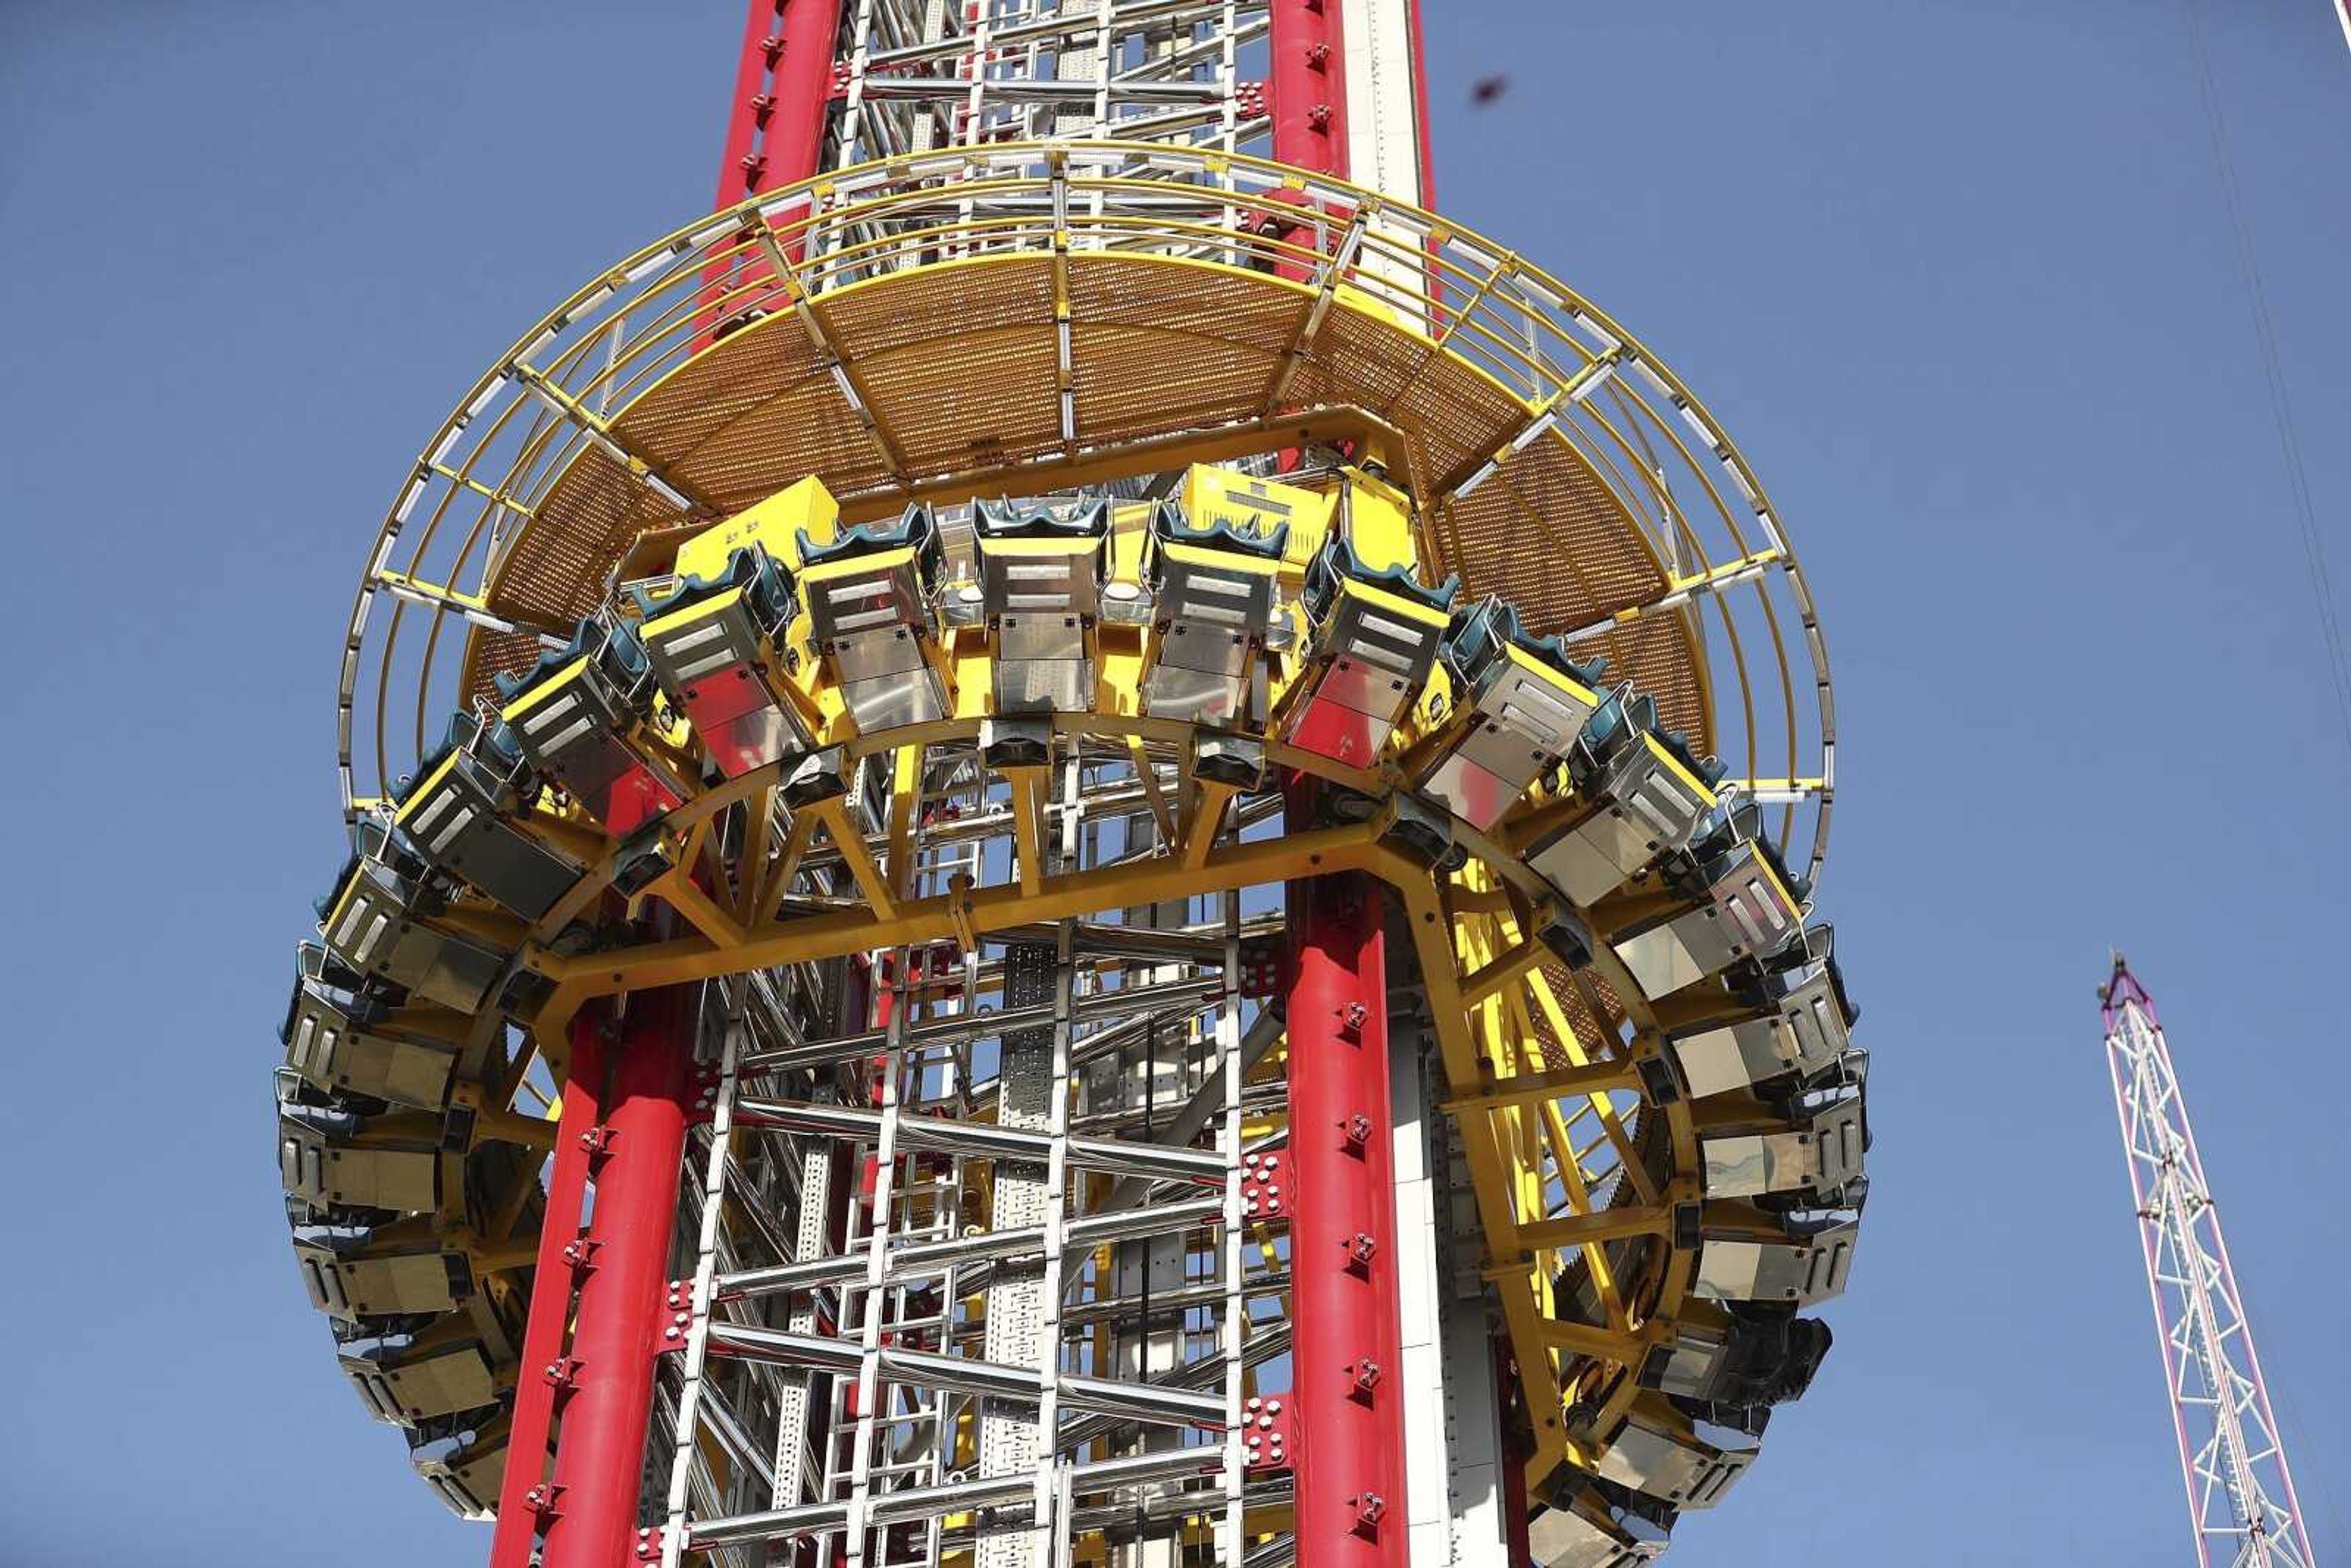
point(522, 1492)
point(1348, 1397)
point(600, 1453)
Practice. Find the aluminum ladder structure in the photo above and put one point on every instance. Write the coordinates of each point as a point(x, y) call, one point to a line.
point(2241, 1496)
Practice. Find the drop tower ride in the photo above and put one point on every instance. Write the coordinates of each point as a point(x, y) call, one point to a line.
point(1074, 839)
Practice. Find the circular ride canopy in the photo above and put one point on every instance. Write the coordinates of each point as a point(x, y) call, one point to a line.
point(895, 564)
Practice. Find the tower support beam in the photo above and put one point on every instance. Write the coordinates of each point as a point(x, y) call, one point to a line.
point(783, 93)
point(1348, 1396)
point(600, 1456)
point(1308, 84)
point(522, 1494)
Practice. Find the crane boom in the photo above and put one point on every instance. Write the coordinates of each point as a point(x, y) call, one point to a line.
point(2241, 1496)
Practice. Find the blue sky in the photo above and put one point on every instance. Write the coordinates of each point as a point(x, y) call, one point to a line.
point(1956, 276)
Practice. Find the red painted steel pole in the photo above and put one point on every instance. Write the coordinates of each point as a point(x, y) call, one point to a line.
point(550, 1302)
point(1307, 88)
point(783, 90)
point(1347, 1401)
point(600, 1456)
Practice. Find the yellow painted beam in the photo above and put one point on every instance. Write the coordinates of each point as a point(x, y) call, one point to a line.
point(833, 816)
point(1065, 896)
point(1207, 821)
point(1491, 979)
point(1607, 1225)
point(1526, 1088)
point(1028, 786)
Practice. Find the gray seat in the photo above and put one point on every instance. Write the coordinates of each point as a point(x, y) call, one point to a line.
point(1523, 703)
point(868, 598)
point(1814, 1154)
point(1659, 1453)
point(1800, 1030)
point(1040, 593)
point(1644, 803)
point(337, 1154)
point(1566, 1538)
point(467, 1468)
point(718, 651)
point(458, 814)
point(1805, 1265)
point(379, 921)
point(407, 1378)
point(1745, 908)
point(1735, 1372)
point(342, 1031)
point(373, 1271)
point(1375, 639)
point(576, 717)
point(1214, 592)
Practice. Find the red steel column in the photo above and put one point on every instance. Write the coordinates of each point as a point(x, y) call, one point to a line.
point(600, 1459)
point(550, 1302)
point(1309, 88)
point(783, 88)
point(1346, 1406)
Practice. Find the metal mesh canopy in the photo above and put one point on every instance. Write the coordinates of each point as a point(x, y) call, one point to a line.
point(1019, 319)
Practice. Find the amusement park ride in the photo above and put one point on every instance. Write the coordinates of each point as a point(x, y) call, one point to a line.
point(1040, 873)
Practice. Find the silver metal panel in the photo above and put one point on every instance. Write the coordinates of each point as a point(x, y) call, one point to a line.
point(1678, 952)
point(1170, 691)
point(1561, 1538)
point(1648, 790)
point(752, 739)
point(377, 1287)
point(1366, 687)
point(465, 1478)
point(1799, 1272)
point(887, 702)
point(1210, 650)
point(315, 1169)
point(418, 1384)
point(1238, 601)
point(1691, 1364)
point(870, 655)
point(1594, 857)
point(457, 827)
point(1814, 1020)
point(1806, 1158)
point(1755, 910)
point(1044, 686)
point(1505, 751)
point(1040, 637)
point(329, 1050)
point(1470, 792)
point(860, 604)
point(1543, 716)
point(1734, 1055)
point(1686, 1473)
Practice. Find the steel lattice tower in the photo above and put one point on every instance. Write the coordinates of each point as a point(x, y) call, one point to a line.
point(2240, 1492)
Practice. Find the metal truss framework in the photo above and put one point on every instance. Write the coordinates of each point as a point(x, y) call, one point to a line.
point(900, 77)
point(2241, 1496)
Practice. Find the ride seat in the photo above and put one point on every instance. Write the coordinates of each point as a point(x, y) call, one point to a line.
point(1521, 701)
point(345, 1031)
